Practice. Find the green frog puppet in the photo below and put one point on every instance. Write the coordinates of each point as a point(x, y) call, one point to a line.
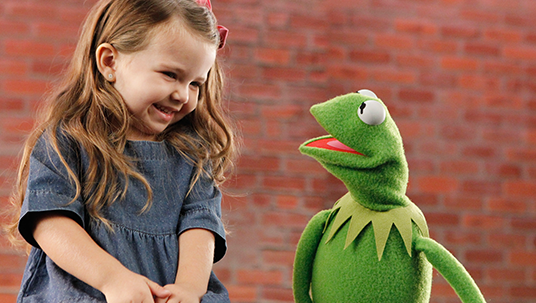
point(373, 246)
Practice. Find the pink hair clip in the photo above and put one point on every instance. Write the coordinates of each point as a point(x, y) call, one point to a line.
point(222, 29)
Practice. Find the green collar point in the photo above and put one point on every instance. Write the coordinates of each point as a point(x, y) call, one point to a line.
point(402, 217)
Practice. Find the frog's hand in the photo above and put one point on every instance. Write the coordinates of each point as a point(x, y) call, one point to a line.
point(451, 269)
point(305, 255)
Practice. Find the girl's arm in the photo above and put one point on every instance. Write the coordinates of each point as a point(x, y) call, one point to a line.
point(196, 256)
point(72, 249)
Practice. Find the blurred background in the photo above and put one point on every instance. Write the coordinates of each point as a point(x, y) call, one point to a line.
point(458, 76)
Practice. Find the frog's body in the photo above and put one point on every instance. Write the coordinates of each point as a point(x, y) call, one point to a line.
point(373, 246)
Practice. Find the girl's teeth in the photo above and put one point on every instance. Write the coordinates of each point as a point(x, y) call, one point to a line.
point(162, 109)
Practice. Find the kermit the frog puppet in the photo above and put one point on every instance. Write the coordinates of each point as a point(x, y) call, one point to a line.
point(373, 246)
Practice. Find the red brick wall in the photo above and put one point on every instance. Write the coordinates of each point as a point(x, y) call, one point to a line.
point(459, 77)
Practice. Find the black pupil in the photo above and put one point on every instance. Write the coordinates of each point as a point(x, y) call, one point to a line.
point(362, 107)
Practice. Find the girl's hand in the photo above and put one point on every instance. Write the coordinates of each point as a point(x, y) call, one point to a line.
point(133, 288)
point(179, 294)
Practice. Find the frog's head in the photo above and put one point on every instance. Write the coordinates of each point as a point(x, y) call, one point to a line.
point(363, 149)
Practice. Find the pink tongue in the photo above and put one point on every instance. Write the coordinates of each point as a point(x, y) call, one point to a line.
point(339, 145)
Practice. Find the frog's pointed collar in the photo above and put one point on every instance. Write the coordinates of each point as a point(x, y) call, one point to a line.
point(382, 221)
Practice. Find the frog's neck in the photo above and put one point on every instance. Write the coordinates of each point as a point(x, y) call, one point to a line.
point(381, 188)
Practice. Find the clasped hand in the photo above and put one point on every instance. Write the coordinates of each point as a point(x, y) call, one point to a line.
point(135, 288)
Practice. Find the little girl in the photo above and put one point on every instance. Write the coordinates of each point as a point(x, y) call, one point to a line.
point(118, 186)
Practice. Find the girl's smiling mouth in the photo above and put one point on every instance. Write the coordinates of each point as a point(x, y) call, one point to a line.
point(165, 112)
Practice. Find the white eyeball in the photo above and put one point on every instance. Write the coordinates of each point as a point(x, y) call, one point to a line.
point(371, 112)
point(367, 92)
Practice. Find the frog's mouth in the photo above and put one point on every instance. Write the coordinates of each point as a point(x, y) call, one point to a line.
point(332, 144)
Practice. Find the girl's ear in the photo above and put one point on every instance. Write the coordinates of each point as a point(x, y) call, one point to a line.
point(106, 58)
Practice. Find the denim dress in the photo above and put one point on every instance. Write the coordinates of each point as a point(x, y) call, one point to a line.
point(144, 242)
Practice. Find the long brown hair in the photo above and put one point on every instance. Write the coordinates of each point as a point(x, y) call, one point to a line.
point(87, 108)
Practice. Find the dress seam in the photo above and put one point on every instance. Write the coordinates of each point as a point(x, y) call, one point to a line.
point(121, 226)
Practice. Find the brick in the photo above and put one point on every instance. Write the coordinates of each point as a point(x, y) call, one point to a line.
point(459, 63)
point(457, 133)
point(393, 76)
point(26, 87)
point(347, 72)
point(259, 277)
point(459, 32)
point(501, 68)
point(284, 219)
point(520, 188)
point(278, 19)
point(507, 205)
point(273, 128)
point(260, 91)
point(304, 166)
point(484, 256)
point(56, 30)
point(479, 15)
point(520, 53)
point(507, 275)
point(478, 83)
point(284, 74)
point(417, 96)
point(278, 294)
point(390, 41)
point(459, 167)
point(419, 61)
point(287, 202)
point(12, 262)
point(415, 27)
point(285, 39)
point(523, 258)
point(436, 184)
point(481, 187)
point(28, 48)
point(464, 203)
point(484, 222)
point(250, 126)
point(255, 163)
point(273, 56)
point(309, 22)
point(523, 292)
point(502, 35)
point(505, 170)
point(245, 35)
point(238, 293)
point(31, 10)
point(370, 56)
point(11, 104)
point(10, 280)
point(278, 257)
point(242, 181)
point(523, 155)
point(524, 223)
point(457, 238)
point(481, 152)
point(442, 219)
point(13, 28)
point(8, 298)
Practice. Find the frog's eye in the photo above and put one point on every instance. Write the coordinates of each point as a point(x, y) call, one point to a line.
point(368, 93)
point(371, 112)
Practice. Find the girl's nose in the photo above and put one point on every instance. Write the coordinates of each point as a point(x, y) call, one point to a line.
point(180, 94)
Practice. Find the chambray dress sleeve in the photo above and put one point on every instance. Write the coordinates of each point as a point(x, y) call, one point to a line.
point(49, 188)
point(202, 209)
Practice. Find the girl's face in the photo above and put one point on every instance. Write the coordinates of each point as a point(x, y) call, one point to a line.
point(160, 85)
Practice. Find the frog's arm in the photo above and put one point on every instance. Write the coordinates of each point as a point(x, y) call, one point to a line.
point(305, 256)
point(451, 269)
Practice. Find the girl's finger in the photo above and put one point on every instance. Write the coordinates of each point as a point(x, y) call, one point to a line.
point(158, 291)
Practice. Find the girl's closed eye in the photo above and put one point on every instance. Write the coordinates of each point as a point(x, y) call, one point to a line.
point(196, 84)
point(170, 75)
